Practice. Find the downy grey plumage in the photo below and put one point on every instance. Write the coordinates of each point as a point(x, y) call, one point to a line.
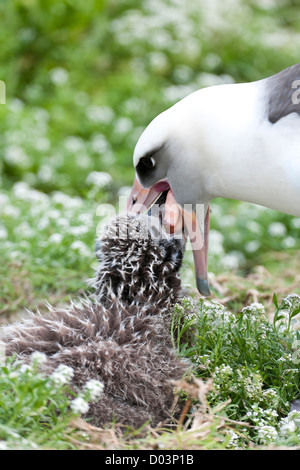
point(120, 335)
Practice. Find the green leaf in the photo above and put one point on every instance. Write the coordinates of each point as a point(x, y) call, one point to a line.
point(295, 312)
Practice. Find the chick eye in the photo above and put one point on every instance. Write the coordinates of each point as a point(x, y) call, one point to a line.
point(147, 162)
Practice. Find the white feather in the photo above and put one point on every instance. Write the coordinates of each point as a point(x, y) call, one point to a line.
point(223, 145)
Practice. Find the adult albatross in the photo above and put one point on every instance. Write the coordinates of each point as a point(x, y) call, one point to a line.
point(239, 141)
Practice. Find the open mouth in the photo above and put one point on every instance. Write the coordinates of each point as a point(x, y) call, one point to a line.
point(161, 203)
point(157, 210)
point(158, 205)
point(161, 198)
point(141, 199)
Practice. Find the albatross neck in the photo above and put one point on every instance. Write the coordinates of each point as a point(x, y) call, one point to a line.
point(239, 154)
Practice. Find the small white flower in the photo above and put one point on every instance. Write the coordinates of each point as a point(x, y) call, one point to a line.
point(99, 144)
point(101, 114)
point(43, 223)
point(295, 416)
point(4, 200)
point(81, 247)
point(59, 76)
point(15, 254)
point(25, 368)
point(277, 229)
point(252, 246)
point(123, 125)
point(10, 211)
point(3, 233)
point(79, 406)
point(257, 306)
point(65, 200)
point(288, 428)
point(16, 105)
point(231, 260)
point(295, 222)
point(99, 178)
point(38, 358)
point(24, 192)
point(94, 388)
point(292, 417)
point(56, 238)
point(78, 230)
point(267, 434)
point(24, 230)
point(62, 375)
point(86, 218)
point(253, 226)
point(83, 160)
point(74, 144)
point(217, 240)
point(270, 394)
point(41, 115)
point(15, 155)
point(159, 62)
point(291, 301)
point(45, 173)
point(234, 439)
point(289, 242)
point(42, 144)
point(62, 222)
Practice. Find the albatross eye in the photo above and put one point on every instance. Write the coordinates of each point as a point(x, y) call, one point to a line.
point(147, 162)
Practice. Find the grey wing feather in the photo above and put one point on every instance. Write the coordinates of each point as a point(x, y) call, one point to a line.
point(283, 93)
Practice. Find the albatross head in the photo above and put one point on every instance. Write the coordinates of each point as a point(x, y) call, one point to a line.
point(166, 162)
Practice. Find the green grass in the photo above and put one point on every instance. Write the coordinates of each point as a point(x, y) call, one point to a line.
point(245, 374)
point(36, 410)
point(253, 361)
point(82, 80)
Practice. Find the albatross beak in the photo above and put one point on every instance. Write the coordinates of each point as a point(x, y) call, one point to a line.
point(196, 225)
point(198, 230)
point(141, 199)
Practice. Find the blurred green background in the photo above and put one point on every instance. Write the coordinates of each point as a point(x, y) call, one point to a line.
point(83, 79)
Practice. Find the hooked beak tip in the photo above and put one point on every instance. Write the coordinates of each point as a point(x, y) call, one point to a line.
point(203, 286)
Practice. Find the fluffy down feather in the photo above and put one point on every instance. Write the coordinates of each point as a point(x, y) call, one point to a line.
point(121, 334)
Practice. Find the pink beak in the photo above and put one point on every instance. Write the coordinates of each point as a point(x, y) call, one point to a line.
point(176, 219)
